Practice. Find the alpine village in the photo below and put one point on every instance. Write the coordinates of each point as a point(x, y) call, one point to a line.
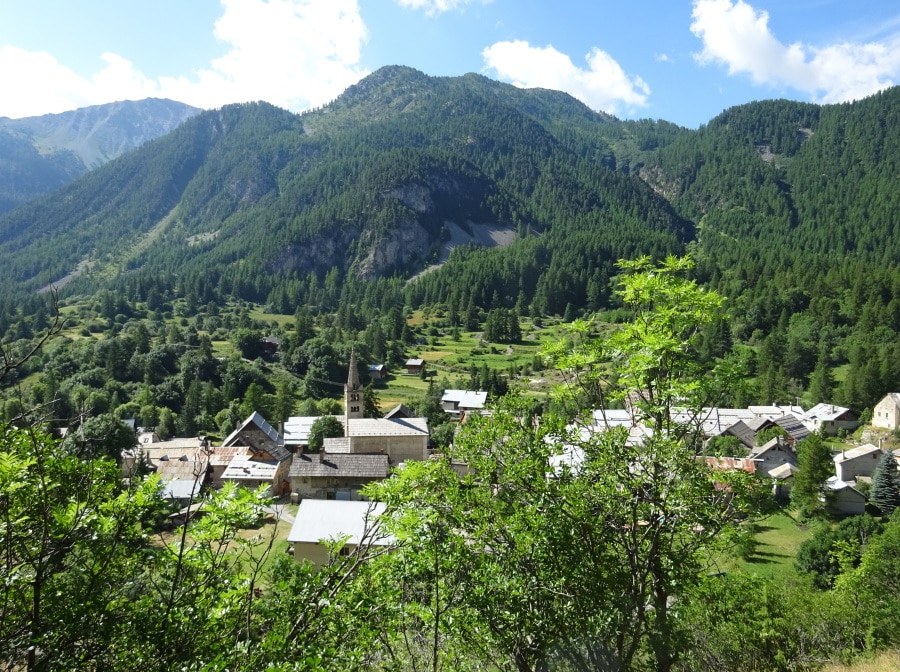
point(450, 375)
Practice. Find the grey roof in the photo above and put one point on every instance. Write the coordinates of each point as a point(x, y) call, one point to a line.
point(398, 411)
point(611, 417)
point(743, 432)
point(759, 423)
point(783, 471)
point(320, 519)
point(712, 421)
point(826, 413)
point(387, 427)
point(795, 429)
point(756, 451)
point(336, 444)
point(342, 465)
point(775, 411)
point(854, 453)
point(181, 488)
point(276, 448)
point(244, 468)
point(465, 398)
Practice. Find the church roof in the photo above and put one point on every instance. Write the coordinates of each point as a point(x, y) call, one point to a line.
point(387, 427)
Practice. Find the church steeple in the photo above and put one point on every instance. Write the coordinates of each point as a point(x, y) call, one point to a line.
point(353, 393)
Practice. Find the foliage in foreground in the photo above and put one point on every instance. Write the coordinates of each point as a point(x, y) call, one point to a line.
point(556, 549)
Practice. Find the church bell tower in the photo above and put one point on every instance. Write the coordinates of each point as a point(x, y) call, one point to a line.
point(353, 393)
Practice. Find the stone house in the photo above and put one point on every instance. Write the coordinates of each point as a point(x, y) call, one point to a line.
point(335, 476)
point(264, 459)
point(849, 465)
point(886, 413)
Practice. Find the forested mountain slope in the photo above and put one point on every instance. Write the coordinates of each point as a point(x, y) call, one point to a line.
point(40, 154)
point(259, 197)
point(788, 209)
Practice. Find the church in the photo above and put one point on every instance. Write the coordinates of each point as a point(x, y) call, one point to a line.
point(368, 450)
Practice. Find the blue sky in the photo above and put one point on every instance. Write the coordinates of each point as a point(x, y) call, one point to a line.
point(680, 60)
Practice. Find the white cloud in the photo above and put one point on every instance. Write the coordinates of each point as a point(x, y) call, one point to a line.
point(736, 35)
point(603, 85)
point(292, 53)
point(433, 7)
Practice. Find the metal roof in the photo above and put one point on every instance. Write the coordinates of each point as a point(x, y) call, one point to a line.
point(387, 427)
point(323, 519)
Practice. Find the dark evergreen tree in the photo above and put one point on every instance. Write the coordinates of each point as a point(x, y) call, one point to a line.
point(814, 467)
point(885, 493)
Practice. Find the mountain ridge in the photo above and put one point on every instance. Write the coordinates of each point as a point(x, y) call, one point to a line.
point(39, 154)
point(369, 185)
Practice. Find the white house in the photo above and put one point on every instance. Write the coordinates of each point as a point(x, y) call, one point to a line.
point(830, 419)
point(457, 402)
point(319, 521)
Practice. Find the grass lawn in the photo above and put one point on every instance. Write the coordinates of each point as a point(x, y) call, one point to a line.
point(778, 539)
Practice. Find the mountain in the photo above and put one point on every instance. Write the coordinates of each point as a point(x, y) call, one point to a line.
point(251, 196)
point(40, 154)
point(403, 169)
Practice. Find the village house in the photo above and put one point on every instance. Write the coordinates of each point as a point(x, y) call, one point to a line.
point(775, 411)
point(336, 475)
point(792, 427)
point(886, 413)
point(842, 499)
point(263, 461)
point(414, 366)
point(850, 465)
point(773, 456)
point(297, 428)
point(605, 418)
point(319, 521)
point(783, 478)
point(459, 402)
point(829, 419)
point(160, 456)
point(713, 421)
point(377, 371)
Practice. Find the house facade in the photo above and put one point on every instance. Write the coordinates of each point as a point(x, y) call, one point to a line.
point(829, 419)
point(843, 499)
point(459, 402)
point(338, 476)
point(886, 413)
point(849, 465)
point(774, 455)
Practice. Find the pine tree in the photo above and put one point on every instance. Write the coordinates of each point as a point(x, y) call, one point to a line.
point(885, 492)
point(821, 383)
point(813, 469)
